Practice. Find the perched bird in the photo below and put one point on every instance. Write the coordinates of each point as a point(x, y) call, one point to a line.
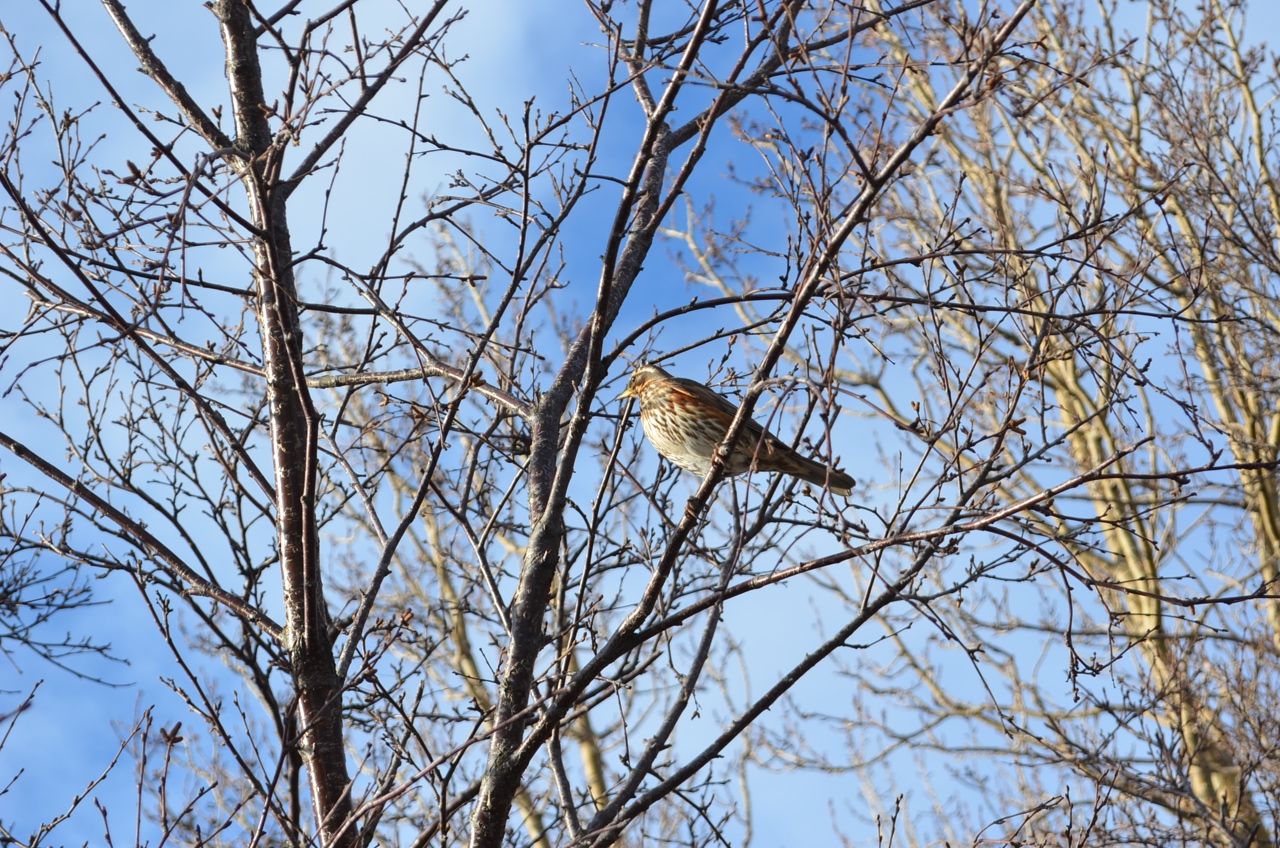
point(685, 421)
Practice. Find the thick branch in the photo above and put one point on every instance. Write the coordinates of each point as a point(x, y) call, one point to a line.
point(294, 429)
point(154, 68)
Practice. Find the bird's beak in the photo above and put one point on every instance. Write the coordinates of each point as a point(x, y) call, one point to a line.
point(626, 393)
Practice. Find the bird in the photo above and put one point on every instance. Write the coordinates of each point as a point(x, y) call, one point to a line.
point(685, 421)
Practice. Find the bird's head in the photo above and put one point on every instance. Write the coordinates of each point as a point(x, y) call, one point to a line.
point(641, 377)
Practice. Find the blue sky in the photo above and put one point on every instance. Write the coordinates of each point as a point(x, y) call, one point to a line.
point(517, 50)
point(82, 720)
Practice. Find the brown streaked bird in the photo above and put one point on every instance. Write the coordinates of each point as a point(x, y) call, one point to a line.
point(685, 421)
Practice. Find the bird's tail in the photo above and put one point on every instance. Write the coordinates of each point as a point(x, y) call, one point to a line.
point(821, 475)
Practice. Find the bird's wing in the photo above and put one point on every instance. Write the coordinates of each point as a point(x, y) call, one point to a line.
point(696, 392)
point(754, 433)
